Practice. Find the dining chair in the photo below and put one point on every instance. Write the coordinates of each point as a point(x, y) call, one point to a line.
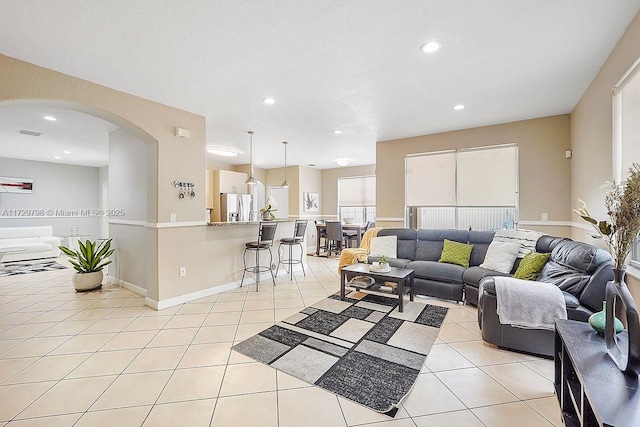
point(335, 237)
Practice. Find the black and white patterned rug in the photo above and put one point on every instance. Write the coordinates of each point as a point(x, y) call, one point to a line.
point(13, 268)
point(362, 348)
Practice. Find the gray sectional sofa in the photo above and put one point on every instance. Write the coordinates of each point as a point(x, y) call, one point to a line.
point(420, 250)
point(580, 270)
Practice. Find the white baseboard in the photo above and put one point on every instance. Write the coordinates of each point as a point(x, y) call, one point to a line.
point(130, 286)
point(182, 299)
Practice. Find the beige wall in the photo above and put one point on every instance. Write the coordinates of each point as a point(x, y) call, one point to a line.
point(171, 158)
point(310, 182)
point(591, 129)
point(544, 172)
point(330, 185)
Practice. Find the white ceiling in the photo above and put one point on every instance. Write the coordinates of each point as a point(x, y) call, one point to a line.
point(85, 137)
point(331, 64)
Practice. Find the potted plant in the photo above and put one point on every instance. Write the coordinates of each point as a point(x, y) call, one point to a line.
point(619, 232)
point(88, 261)
point(383, 263)
point(267, 213)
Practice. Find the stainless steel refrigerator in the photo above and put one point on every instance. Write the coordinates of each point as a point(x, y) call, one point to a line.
point(235, 207)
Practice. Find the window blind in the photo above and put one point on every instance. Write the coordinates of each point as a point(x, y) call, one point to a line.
point(357, 191)
point(431, 179)
point(487, 177)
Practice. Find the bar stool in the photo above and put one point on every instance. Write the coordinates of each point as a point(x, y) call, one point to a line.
point(266, 234)
point(299, 230)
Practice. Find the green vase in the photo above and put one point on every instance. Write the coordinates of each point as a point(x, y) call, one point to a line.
point(599, 319)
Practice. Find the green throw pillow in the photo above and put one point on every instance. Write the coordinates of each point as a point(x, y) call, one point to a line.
point(456, 253)
point(531, 265)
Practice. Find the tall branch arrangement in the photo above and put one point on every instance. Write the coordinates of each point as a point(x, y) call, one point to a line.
point(623, 208)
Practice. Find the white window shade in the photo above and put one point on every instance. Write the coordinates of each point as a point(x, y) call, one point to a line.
point(487, 177)
point(630, 125)
point(431, 180)
point(357, 191)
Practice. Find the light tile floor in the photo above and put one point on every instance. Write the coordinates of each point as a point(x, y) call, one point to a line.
point(103, 358)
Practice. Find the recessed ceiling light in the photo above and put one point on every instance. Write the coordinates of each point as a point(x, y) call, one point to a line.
point(223, 151)
point(311, 165)
point(57, 157)
point(269, 101)
point(66, 152)
point(459, 107)
point(50, 118)
point(343, 161)
point(430, 47)
point(337, 131)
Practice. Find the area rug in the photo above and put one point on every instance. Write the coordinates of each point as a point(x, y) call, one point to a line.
point(361, 348)
point(13, 268)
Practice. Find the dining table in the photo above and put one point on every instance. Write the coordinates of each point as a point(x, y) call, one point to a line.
point(358, 228)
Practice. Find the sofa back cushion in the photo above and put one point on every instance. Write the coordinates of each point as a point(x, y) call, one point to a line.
point(546, 243)
point(406, 241)
point(572, 264)
point(20, 232)
point(480, 241)
point(384, 246)
point(430, 242)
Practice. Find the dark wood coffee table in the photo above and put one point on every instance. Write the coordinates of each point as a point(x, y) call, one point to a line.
point(402, 276)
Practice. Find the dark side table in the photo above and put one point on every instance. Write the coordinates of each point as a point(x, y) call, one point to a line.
point(592, 391)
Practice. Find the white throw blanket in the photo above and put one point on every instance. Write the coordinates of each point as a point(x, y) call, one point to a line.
point(526, 238)
point(529, 304)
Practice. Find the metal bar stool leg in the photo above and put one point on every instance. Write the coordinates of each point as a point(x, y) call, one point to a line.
point(271, 269)
point(279, 258)
point(244, 262)
point(290, 263)
point(301, 263)
point(257, 269)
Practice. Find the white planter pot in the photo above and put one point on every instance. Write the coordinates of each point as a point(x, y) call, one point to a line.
point(84, 282)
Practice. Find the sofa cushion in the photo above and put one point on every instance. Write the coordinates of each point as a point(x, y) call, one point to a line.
point(22, 232)
point(406, 241)
point(456, 253)
point(473, 275)
point(399, 262)
point(570, 263)
point(501, 256)
point(16, 242)
point(442, 272)
point(27, 247)
point(430, 242)
point(386, 245)
point(480, 241)
point(531, 265)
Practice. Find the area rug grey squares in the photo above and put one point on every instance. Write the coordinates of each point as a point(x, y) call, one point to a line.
point(13, 268)
point(362, 348)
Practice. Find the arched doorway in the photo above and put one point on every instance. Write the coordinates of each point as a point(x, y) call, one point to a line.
point(125, 199)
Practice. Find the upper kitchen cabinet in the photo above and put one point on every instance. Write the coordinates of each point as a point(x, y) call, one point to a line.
point(230, 181)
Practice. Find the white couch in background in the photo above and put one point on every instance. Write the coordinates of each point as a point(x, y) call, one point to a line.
point(22, 243)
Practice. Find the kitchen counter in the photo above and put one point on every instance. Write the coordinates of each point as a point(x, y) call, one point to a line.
point(231, 223)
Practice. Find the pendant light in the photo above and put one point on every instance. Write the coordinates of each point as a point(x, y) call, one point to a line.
point(251, 180)
point(285, 183)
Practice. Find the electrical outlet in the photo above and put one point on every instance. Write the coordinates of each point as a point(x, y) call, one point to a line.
point(545, 216)
point(183, 271)
point(172, 217)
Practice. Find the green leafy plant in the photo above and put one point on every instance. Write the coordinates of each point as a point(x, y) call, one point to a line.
point(90, 256)
point(623, 208)
point(269, 210)
point(382, 259)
